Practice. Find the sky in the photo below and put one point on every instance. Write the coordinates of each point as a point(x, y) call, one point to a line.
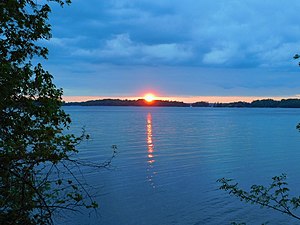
point(188, 50)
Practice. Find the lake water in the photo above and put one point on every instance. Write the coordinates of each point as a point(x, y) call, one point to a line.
point(170, 158)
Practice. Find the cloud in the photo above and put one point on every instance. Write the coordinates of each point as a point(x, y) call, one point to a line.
point(169, 52)
point(122, 48)
point(202, 33)
point(221, 55)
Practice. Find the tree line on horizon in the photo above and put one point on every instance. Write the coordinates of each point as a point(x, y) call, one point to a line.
point(264, 103)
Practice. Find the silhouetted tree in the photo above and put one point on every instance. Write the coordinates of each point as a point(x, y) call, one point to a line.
point(35, 150)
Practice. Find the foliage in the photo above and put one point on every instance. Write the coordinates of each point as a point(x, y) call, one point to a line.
point(126, 102)
point(297, 56)
point(275, 196)
point(35, 150)
point(264, 103)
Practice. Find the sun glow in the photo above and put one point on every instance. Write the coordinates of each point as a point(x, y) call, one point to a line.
point(149, 97)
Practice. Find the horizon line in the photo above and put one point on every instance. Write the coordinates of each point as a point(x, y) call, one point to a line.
point(186, 99)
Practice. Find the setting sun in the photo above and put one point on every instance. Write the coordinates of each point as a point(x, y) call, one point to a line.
point(149, 97)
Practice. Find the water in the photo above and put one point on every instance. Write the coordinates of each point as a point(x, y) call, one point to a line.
point(170, 158)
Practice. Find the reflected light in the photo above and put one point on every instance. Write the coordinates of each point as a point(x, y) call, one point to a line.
point(149, 133)
point(150, 151)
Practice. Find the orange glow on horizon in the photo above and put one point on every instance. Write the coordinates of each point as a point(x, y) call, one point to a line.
point(186, 99)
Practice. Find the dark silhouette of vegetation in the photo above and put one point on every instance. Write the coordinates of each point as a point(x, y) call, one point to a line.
point(233, 104)
point(36, 152)
point(139, 102)
point(200, 104)
point(265, 103)
point(297, 56)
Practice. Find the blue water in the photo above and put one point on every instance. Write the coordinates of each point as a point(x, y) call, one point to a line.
point(170, 158)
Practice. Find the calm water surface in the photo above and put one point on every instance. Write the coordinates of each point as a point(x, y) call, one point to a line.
point(170, 158)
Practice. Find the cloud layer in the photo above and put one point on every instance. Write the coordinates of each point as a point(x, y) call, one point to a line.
point(229, 35)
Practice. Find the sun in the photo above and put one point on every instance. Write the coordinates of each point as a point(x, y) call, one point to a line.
point(149, 97)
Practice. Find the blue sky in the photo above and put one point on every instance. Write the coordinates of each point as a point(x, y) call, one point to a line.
point(176, 48)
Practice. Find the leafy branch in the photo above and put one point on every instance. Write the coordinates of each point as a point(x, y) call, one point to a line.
point(275, 196)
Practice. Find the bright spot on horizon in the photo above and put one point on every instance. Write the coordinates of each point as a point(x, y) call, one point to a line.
point(149, 97)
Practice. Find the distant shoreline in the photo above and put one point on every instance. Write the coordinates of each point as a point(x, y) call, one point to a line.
point(264, 103)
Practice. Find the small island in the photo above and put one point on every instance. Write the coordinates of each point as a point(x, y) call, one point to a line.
point(264, 103)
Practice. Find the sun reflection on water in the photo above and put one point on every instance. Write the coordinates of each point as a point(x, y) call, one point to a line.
point(150, 151)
